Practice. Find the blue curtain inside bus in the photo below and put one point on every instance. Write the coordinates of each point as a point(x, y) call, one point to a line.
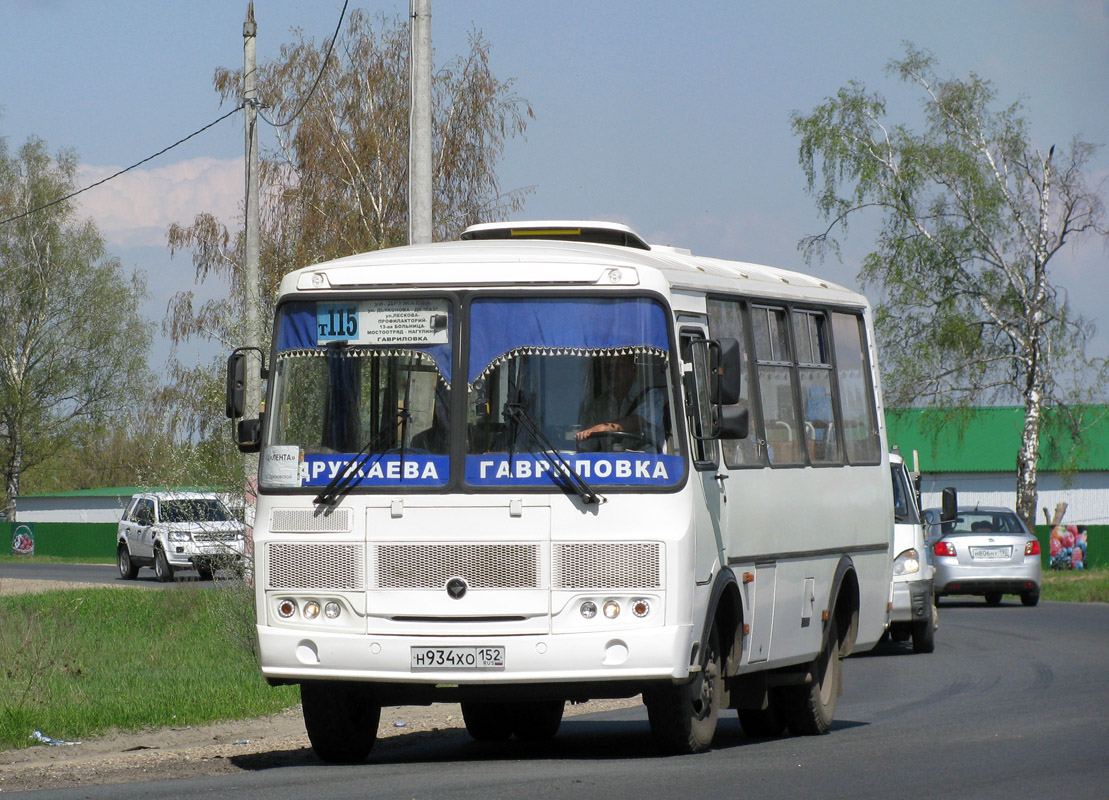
point(500, 327)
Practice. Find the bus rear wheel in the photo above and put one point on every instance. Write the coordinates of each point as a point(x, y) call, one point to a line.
point(683, 718)
point(810, 709)
point(341, 720)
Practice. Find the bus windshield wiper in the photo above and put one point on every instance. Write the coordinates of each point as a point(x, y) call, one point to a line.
point(344, 478)
point(562, 471)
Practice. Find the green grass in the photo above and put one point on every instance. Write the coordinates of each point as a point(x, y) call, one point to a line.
point(78, 663)
point(1078, 586)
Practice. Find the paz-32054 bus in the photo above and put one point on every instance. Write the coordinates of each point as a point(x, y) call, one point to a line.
point(549, 463)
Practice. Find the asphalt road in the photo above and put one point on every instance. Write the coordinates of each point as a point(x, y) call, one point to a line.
point(1012, 704)
point(86, 573)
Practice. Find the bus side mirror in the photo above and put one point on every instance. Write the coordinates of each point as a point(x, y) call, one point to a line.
point(236, 379)
point(727, 372)
point(236, 384)
point(731, 422)
point(248, 435)
point(248, 432)
point(950, 504)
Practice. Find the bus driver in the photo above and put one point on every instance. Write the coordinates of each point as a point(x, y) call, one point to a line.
point(627, 406)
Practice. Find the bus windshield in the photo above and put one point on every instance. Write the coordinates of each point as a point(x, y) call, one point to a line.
point(362, 394)
point(362, 385)
point(591, 375)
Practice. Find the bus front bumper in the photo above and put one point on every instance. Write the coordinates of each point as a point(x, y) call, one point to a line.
point(648, 654)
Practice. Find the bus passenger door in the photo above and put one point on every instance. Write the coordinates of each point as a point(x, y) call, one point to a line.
point(710, 511)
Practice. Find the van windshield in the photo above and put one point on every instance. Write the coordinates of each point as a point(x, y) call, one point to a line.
point(904, 504)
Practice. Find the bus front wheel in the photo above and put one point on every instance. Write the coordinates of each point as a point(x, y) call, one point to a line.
point(341, 720)
point(683, 718)
point(488, 722)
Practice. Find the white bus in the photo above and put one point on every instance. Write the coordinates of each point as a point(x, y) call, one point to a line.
point(550, 463)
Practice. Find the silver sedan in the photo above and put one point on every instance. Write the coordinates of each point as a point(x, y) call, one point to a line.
point(985, 551)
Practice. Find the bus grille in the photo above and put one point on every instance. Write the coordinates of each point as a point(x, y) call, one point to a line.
point(316, 566)
point(310, 520)
point(482, 566)
point(606, 565)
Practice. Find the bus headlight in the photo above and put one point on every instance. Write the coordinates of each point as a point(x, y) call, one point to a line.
point(331, 609)
point(589, 609)
point(641, 607)
point(286, 608)
point(612, 609)
point(311, 609)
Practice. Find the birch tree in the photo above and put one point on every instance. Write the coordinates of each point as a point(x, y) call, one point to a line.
point(73, 344)
point(972, 215)
point(335, 180)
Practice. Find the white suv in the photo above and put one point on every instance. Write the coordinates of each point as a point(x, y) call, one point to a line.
point(178, 530)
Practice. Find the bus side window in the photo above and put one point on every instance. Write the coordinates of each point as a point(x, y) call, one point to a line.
point(860, 418)
point(726, 320)
point(814, 369)
point(784, 439)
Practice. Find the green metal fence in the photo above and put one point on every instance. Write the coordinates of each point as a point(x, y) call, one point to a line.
point(69, 539)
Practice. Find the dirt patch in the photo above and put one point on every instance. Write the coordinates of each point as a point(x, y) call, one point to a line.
point(203, 750)
point(217, 749)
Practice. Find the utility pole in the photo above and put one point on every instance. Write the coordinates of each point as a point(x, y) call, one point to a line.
point(250, 103)
point(419, 120)
point(251, 285)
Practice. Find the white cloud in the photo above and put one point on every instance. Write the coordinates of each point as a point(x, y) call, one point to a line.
point(137, 207)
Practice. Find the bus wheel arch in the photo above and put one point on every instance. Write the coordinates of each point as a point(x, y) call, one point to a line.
point(843, 605)
point(725, 614)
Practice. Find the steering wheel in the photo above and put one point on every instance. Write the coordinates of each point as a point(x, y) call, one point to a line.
point(613, 442)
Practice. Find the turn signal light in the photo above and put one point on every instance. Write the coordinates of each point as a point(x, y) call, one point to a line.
point(944, 549)
point(1032, 548)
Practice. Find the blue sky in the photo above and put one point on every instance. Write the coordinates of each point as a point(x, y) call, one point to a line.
point(670, 117)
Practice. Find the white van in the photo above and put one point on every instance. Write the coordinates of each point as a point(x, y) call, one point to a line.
point(914, 605)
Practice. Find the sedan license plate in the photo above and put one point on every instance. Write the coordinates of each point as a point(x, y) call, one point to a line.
point(991, 553)
point(491, 657)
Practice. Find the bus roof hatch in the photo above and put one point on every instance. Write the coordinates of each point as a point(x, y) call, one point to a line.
point(572, 231)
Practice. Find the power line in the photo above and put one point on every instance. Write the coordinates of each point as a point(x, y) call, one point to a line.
point(303, 103)
point(122, 171)
point(319, 75)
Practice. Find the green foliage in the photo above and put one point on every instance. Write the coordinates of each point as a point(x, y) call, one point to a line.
point(336, 181)
point(972, 214)
point(72, 341)
point(81, 663)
